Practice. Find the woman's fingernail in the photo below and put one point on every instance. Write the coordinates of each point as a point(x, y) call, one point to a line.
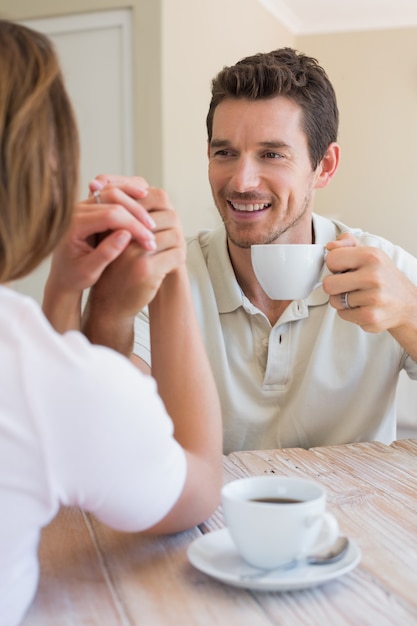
point(150, 221)
point(95, 185)
point(122, 238)
point(151, 244)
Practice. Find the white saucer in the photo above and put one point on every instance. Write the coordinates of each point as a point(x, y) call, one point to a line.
point(215, 554)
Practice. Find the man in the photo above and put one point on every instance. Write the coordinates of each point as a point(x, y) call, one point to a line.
point(318, 371)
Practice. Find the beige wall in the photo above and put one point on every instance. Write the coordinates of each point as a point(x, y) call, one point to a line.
point(199, 38)
point(147, 65)
point(375, 77)
point(181, 44)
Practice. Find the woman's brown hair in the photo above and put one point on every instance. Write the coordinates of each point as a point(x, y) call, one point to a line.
point(39, 152)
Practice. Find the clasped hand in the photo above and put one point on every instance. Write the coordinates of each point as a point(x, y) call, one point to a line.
point(122, 246)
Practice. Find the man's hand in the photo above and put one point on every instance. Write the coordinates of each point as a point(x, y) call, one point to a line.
point(379, 295)
point(133, 279)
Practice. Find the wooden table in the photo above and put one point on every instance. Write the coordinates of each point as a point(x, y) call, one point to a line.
point(91, 575)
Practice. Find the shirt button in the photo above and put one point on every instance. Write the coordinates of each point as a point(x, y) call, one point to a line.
point(265, 342)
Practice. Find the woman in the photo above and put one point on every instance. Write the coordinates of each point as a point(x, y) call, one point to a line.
point(79, 425)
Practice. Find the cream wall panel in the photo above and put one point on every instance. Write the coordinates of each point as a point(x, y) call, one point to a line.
point(178, 46)
point(146, 84)
point(375, 77)
point(199, 38)
point(100, 44)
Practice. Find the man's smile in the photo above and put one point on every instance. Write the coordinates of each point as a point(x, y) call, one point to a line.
point(249, 208)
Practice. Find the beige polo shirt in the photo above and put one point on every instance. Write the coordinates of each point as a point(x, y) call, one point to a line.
point(310, 380)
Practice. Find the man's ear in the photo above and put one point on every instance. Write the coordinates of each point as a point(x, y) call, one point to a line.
point(327, 167)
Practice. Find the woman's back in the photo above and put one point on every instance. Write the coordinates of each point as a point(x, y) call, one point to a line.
point(60, 442)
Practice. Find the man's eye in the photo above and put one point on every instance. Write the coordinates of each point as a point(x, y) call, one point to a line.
point(223, 152)
point(273, 155)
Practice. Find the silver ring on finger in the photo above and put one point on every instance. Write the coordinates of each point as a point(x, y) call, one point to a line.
point(96, 195)
point(344, 300)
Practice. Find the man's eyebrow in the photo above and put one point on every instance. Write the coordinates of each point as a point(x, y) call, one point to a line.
point(275, 144)
point(219, 143)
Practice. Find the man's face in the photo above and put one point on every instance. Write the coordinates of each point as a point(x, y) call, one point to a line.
point(260, 171)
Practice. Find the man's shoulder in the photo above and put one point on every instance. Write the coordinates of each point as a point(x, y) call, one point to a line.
point(366, 238)
point(400, 257)
point(203, 238)
point(200, 244)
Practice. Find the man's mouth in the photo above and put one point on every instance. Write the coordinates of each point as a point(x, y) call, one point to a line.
point(249, 208)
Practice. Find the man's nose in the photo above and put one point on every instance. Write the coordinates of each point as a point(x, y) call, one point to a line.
point(245, 175)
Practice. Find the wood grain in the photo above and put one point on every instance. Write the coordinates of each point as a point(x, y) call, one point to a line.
point(74, 588)
point(92, 575)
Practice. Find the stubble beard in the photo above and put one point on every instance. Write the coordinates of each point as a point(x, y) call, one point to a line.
point(245, 241)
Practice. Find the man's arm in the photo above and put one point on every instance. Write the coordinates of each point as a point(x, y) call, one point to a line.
point(121, 292)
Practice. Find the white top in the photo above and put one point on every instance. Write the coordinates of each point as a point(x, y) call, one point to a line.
point(78, 425)
point(310, 380)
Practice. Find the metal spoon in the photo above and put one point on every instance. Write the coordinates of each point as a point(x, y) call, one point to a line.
point(333, 554)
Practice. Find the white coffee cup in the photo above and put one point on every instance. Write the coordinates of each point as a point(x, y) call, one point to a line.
point(293, 526)
point(288, 271)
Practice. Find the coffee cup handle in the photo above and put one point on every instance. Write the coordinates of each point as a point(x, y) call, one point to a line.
point(328, 534)
point(320, 282)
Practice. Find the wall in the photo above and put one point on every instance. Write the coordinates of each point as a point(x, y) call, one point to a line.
point(199, 38)
point(179, 46)
point(375, 77)
point(147, 65)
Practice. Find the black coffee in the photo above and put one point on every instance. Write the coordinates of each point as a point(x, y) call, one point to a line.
point(272, 500)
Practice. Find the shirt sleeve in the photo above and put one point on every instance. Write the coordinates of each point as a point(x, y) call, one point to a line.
point(108, 439)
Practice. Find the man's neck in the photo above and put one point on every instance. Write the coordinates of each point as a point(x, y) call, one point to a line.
point(240, 259)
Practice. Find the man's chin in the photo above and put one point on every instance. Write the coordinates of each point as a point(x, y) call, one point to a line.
point(242, 242)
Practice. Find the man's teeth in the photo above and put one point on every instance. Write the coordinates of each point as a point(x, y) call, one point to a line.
point(249, 207)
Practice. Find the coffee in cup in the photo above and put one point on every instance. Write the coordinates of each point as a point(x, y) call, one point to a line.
point(274, 520)
point(288, 271)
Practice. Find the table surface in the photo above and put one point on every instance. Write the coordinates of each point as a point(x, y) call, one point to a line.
point(92, 575)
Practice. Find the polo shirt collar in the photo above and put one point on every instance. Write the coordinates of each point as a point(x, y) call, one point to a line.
point(324, 231)
point(228, 293)
point(226, 288)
